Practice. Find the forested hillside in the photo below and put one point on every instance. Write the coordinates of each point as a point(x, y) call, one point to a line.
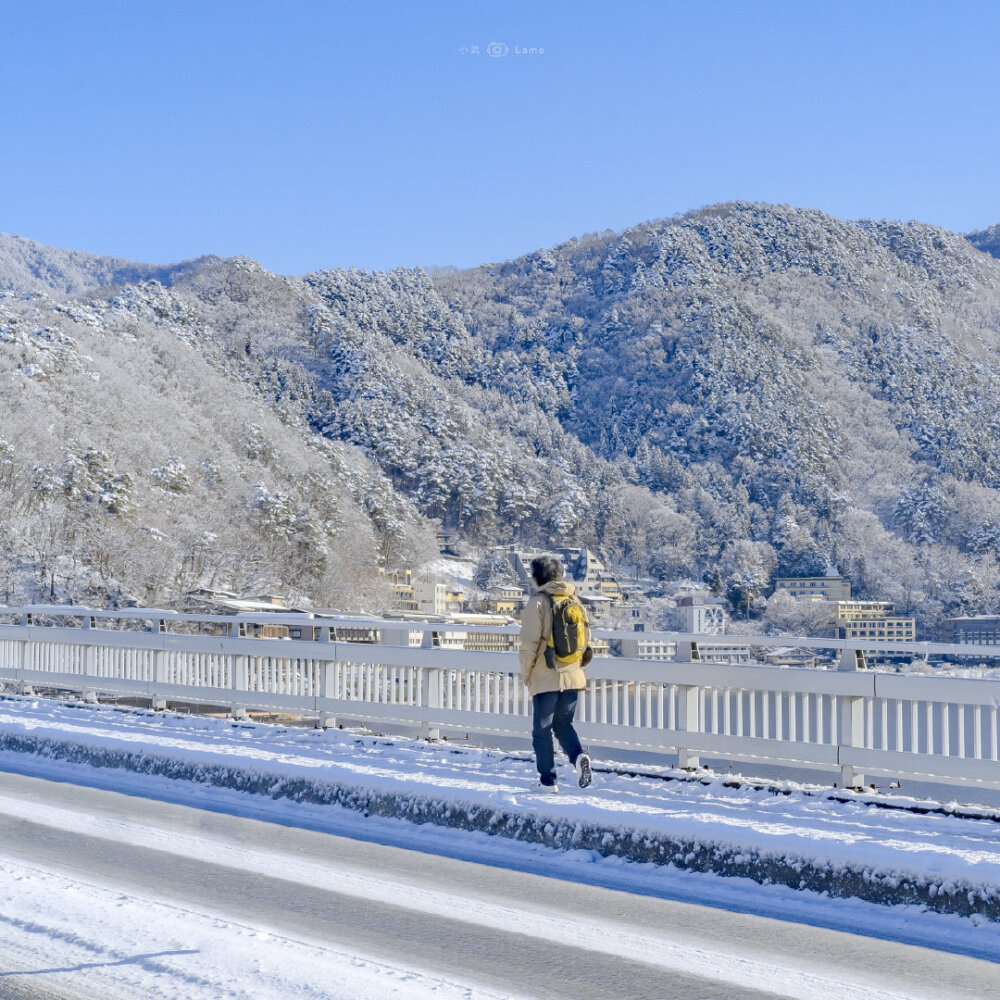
point(742, 390)
point(136, 464)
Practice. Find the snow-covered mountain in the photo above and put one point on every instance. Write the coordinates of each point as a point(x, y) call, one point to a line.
point(27, 266)
point(742, 389)
point(987, 240)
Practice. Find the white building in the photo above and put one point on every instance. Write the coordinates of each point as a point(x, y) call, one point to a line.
point(701, 613)
point(640, 647)
point(443, 638)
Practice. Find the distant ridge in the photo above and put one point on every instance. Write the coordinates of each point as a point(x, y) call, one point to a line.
point(28, 266)
point(987, 240)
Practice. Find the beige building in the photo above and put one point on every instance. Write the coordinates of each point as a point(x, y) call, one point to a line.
point(848, 619)
point(872, 620)
point(402, 597)
point(423, 596)
point(504, 600)
point(437, 598)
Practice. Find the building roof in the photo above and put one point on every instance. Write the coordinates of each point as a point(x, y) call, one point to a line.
point(829, 576)
point(699, 600)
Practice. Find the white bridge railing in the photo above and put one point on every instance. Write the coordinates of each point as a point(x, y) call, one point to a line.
point(857, 722)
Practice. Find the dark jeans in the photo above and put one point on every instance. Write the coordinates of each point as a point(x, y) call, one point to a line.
point(552, 712)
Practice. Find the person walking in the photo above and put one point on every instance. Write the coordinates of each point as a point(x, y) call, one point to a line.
point(554, 689)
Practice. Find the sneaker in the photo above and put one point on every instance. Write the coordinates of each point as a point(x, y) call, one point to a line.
point(552, 789)
point(583, 771)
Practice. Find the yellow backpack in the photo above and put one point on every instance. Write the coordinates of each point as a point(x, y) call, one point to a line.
point(570, 632)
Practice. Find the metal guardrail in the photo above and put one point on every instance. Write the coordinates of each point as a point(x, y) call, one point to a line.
point(855, 722)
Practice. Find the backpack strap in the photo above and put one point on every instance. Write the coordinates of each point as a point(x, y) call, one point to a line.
point(550, 649)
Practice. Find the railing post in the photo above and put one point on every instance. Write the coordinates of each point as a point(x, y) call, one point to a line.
point(687, 705)
point(240, 672)
point(156, 701)
point(326, 720)
point(88, 694)
point(852, 735)
point(852, 659)
point(431, 697)
point(687, 652)
point(687, 722)
point(851, 710)
point(23, 687)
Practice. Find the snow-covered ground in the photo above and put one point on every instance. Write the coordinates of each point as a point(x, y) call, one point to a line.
point(127, 945)
point(455, 571)
point(282, 773)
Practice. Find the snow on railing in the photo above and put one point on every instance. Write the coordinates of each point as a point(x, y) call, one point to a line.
point(855, 721)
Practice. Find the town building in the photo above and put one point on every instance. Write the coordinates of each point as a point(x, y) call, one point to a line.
point(646, 647)
point(871, 620)
point(223, 602)
point(504, 600)
point(978, 630)
point(400, 634)
point(729, 653)
point(591, 575)
point(847, 619)
point(791, 656)
point(583, 568)
point(491, 642)
point(350, 633)
point(696, 613)
point(700, 612)
point(520, 563)
point(598, 607)
point(402, 597)
point(437, 598)
point(487, 641)
point(829, 587)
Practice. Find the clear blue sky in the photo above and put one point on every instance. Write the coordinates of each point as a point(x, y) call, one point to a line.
point(314, 134)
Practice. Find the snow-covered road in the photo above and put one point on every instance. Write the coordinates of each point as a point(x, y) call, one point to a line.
point(104, 894)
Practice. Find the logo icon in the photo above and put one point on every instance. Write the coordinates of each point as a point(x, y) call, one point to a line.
point(497, 49)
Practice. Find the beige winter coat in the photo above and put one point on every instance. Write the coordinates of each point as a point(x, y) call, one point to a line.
point(536, 626)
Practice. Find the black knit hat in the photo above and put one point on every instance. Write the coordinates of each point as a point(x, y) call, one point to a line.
point(545, 569)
